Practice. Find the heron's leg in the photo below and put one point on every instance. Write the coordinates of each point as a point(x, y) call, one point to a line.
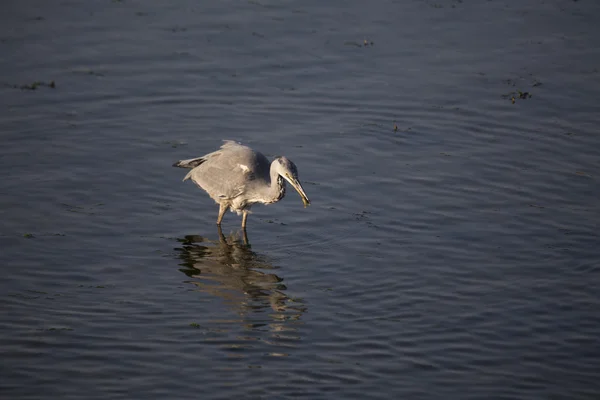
point(244, 218)
point(246, 242)
point(222, 208)
point(221, 236)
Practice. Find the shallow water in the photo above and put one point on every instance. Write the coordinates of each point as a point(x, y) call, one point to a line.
point(451, 250)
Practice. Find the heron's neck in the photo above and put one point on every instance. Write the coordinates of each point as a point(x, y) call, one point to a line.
point(276, 189)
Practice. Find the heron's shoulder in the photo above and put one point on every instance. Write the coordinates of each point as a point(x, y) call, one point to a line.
point(233, 145)
point(239, 153)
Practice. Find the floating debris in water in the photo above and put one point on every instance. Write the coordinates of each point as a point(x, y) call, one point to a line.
point(521, 95)
point(34, 85)
point(518, 94)
point(513, 96)
point(398, 129)
point(195, 325)
point(364, 43)
point(31, 235)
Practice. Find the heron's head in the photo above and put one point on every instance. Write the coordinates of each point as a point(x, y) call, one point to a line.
point(288, 171)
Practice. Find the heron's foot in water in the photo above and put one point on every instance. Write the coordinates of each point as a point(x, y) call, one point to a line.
point(245, 237)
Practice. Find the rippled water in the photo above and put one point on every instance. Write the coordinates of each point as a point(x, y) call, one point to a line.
point(451, 250)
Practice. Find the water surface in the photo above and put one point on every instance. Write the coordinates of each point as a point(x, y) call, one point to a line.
point(451, 250)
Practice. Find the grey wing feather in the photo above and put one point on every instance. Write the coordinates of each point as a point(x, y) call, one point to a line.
point(191, 163)
point(194, 162)
point(231, 143)
point(220, 174)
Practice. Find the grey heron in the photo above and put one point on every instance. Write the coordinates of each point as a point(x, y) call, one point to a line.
point(236, 177)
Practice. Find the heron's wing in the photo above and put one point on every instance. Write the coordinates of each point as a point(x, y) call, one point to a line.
point(228, 172)
point(191, 163)
point(194, 162)
point(231, 144)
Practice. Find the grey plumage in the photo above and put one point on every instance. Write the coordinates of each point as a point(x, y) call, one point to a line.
point(236, 177)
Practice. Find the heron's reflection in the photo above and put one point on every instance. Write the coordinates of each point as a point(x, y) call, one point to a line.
point(229, 269)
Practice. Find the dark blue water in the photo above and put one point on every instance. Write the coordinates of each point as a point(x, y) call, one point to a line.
point(450, 150)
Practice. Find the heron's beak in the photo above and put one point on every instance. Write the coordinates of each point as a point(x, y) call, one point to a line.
point(296, 185)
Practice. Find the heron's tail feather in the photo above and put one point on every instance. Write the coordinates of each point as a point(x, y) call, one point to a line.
point(191, 163)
